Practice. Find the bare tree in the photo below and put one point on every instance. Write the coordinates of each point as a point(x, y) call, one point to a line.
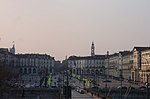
point(6, 74)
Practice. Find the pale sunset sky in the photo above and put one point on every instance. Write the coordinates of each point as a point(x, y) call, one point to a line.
point(67, 27)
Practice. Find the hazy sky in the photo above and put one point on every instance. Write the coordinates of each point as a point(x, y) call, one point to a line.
point(68, 27)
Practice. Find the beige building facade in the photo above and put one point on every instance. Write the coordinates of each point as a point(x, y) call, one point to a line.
point(140, 62)
point(119, 63)
point(145, 66)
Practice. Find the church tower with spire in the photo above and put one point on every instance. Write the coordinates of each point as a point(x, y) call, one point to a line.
point(92, 49)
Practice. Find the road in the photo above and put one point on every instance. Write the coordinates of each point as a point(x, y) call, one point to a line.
point(77, 95)
point(115, 84)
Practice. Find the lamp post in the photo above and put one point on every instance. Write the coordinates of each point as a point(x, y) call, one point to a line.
point(147, 85)
point(67, 86)
point(146, 65)
point(80, 73)
point(147, 77)
point(67, 83)
point(121, 75)
point(121, 84)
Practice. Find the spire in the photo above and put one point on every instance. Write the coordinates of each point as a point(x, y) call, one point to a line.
point(107, 53)
point(12, 50)
point(92, 49)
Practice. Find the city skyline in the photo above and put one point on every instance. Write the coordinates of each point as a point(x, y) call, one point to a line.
point(65, 28)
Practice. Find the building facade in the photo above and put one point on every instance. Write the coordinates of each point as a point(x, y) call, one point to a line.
point(145, 66)
point(137, 63)
point(111, 65)
point(34, 66)
point(7, 58)
point(87, 64)
point(127, 64)
point(119, 63)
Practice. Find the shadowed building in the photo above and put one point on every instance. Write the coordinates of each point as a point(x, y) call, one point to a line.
point(34, 66)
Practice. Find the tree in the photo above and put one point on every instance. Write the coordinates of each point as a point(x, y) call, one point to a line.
point(7, 73)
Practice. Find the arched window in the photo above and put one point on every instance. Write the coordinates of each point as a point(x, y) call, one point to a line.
point(21, 71)
point(29, 70)
point(25, 71)
point(34, 70)
point(97, 72)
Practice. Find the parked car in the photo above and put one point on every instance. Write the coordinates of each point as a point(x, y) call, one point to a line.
point(107, 80)
point(81, 91)
point(143, 87)
point(123, 87)
point(53, 86)
point(27, 86)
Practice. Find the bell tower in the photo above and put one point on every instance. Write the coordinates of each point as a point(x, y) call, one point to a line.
point(92, 49)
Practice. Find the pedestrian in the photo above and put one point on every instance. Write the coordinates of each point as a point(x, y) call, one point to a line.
point(23, 93)
point(92, 93)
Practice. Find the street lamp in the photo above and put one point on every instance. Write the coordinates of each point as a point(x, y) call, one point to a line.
point(147, 85)
point(121, 75)
point(146, 69)
point(147, 77)
point(67, 88)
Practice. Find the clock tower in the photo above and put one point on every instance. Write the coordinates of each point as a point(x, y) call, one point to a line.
point(92, 49)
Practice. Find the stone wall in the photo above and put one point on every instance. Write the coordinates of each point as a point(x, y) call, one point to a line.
point(38, 93)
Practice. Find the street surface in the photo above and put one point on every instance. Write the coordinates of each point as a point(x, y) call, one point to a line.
point(115, 84)
point(77, 95)
point(111, 84)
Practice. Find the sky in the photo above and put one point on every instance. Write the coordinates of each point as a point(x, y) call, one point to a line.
point(63, 28)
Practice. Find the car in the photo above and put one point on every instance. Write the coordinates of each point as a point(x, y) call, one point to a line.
point(123, 87)
point(142, 87)
point(95, 87)
point(36, 85)
point(27, 86)
point(54, 87)
point(22, 85)
point(77, 89)
point(132, 88)
point(73, 86)
point(107, 80)
point(81, 91)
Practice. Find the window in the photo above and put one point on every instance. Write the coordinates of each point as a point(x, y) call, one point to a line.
point(27, 62)
point(30, 61)
point(21, 71)
point(29, 70)
point(25, 71)
point(33, 62)
point(23, 62)
point(34, 70)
